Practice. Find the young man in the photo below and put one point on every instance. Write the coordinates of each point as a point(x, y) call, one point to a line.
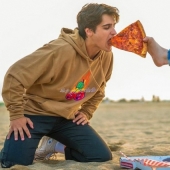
point(55, 90)
point(160, 55)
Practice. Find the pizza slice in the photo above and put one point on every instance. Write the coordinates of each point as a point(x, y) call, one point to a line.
point(131, 39)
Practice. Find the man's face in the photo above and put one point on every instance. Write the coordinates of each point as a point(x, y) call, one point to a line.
point(104, 32)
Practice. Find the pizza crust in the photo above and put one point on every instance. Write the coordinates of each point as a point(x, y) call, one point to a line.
point(144, 50)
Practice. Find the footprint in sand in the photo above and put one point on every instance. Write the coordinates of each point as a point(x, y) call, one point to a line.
point(116, 146)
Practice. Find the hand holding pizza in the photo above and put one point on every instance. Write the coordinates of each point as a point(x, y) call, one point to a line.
point(157, 52)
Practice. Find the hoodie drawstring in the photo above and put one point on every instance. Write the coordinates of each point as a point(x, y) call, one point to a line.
point(102, 74)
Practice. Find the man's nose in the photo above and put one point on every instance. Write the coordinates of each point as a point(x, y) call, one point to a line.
point(113, 32)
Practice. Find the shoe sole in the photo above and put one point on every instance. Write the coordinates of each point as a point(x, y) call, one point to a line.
point(47, 157)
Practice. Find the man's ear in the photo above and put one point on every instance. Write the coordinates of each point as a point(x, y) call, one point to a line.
point(89, 32)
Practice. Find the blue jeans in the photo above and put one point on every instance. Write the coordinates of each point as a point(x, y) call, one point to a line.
point(82, 143)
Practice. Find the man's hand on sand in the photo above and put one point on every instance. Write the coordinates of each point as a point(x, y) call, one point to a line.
point(19, 126)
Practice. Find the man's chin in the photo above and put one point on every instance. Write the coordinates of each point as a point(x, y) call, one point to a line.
point(108, 49)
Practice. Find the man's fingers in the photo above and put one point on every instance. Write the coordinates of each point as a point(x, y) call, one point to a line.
point(15, 134)
point(26, 130)
point(79, 122)
point(77, 118)
point(82, 121)
point(21, 133)
point(9, 134)
point(20, 128)
point(30, 123)
point(76, 113)
point(85, 122)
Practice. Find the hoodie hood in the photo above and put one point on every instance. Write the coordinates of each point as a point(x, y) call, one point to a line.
point(74, 39)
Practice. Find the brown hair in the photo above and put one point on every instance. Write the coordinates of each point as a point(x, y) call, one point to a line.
point(91, 15)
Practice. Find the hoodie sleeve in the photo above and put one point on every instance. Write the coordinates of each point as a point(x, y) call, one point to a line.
point(32, 69)
point(91, 105)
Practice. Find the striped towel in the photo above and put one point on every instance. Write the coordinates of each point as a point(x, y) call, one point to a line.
point(148, 162)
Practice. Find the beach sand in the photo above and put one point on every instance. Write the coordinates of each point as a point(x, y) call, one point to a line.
point(136, 129)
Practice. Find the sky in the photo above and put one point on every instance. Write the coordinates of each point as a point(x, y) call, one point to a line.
point(27, 25)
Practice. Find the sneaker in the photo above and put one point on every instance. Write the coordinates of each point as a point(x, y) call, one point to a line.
point(45, 149)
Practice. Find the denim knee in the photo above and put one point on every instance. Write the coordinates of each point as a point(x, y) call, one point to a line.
point(5, 164)
point(106, 156)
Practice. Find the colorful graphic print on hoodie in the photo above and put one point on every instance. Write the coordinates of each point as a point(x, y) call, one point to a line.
point(78, 92)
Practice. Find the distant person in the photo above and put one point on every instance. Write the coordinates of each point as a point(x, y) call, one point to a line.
point(160, 55)
point(55, 90)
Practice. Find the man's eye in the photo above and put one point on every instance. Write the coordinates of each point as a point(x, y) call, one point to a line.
point(106, 28)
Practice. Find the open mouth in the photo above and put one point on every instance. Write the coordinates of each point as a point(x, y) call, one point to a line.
point(109, 42)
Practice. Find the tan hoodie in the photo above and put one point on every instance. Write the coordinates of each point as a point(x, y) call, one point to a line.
point(58, 79)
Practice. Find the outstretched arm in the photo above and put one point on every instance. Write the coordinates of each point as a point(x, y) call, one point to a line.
point(158, 53)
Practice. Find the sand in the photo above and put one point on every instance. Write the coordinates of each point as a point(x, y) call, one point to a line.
point(140, 128)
